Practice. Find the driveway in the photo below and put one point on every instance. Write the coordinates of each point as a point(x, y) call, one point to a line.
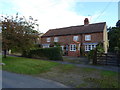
point(12, 80)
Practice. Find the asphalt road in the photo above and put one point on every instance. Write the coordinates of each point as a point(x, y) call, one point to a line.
point(12, 80)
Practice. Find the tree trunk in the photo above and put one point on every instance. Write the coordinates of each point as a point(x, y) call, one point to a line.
point(5, 52)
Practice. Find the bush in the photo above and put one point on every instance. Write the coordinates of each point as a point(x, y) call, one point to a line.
point(90, 54)
point(99, 49)
point(53, 53)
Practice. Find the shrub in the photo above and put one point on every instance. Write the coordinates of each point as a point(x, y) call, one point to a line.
point(53, 53)
point(90, 54)
point(99, 49)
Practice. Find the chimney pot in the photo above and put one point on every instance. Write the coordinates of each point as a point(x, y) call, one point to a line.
point(86, 21)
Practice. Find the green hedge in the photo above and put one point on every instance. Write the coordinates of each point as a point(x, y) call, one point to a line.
point(53, 53)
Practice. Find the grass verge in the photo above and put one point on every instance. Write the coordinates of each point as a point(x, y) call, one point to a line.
point(27, 66)
point(69, 75)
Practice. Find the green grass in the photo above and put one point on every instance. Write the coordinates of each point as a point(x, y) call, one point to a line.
point(88, 69)
point(99, 78)
point(81, 85)
point(103, 82)
point(27, 66)
point(105, 73)
point(109, 79)
point(66, 68)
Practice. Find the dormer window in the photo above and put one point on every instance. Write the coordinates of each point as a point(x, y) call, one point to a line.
point(87, 37)
point(55, 39)
point(48, 39)
point(75, 38)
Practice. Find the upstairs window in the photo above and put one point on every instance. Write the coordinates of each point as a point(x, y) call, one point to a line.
point(72, 47)
point(55, 39)
point(75, 38)
point(87, 37)
point(48, 39)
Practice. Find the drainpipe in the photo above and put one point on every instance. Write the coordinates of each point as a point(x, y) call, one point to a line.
point(81, 44)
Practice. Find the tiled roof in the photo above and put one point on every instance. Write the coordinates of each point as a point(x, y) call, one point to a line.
point(91, 28)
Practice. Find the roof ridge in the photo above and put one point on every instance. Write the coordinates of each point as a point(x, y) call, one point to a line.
point(94, 27)
point(76, 26)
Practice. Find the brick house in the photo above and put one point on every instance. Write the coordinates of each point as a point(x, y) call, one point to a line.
point(73, 38)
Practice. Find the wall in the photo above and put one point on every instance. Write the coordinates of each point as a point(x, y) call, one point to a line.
point(105, 40)
point(95, 37)
point(63, 40)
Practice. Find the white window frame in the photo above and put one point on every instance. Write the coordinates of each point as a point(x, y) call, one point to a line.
point(87, 37)
point(89, 47)
point(72, 47)
point(56, 39)
point(75, 38)
point(48, 39)
point(46, 46)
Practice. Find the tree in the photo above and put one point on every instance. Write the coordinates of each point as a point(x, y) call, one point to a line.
point(118, 24)
point(18, 33)
point(114, 38)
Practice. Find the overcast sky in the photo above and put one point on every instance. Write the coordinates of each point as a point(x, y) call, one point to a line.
point(63, 13)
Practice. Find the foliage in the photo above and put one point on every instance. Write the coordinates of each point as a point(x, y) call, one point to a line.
point(18, 33)
point(90, 54)
point(56, 44)
point(118, 24)
point(114, 38)
point(99, 49)
point(27, 66)
point(53, 53)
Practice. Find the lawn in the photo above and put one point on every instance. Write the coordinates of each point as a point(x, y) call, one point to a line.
point(68, 74)
point(27, 66)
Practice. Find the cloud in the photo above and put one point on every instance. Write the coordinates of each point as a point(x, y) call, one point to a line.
point(50, 13)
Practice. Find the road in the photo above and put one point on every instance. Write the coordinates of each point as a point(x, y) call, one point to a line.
point(12, 80)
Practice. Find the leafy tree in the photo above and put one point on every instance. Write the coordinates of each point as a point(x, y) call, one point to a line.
point(18, 33)
point(114, 38)
point(118, 24)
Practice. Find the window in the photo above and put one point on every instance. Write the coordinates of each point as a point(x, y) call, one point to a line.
point(55, 39)
point(89, 47)
point(75, 38)
point(48, 39)
point(73, 47)
point(87, 37)
point(46, 45)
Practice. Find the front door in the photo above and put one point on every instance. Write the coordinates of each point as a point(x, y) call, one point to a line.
point(66, 49)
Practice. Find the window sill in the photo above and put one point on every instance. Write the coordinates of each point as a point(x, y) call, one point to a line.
point(72, 50)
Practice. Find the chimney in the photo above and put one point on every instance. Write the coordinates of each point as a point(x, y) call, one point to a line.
point(86, 21)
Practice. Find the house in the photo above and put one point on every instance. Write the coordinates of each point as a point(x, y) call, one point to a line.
point(73, 39)
point(38, 40)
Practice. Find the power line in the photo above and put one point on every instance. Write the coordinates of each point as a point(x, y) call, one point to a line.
point(103, 11)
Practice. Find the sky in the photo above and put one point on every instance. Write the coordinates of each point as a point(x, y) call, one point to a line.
point(53, 14)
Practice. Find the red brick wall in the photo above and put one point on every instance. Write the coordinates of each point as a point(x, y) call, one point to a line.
point(95, 37)
point(74, 53)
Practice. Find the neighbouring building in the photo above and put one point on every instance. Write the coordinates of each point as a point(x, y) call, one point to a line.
point(38, 40)
point(75, 38)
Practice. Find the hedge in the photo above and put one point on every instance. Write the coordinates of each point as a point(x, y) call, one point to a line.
point(53, 53)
